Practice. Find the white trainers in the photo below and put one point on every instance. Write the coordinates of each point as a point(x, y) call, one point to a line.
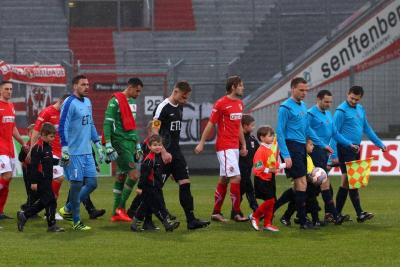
point(254, 222)
point(58, 217)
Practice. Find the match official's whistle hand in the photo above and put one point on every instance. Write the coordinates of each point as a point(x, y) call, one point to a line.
point(329, 149)
point(355, 148)
point(34, 187)
point(288, 162)
point(199, 148)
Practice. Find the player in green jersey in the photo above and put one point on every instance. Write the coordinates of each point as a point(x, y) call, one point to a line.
point(122, 144)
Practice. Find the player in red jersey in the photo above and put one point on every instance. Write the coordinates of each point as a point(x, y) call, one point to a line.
point(8, 130)
point(227, 114)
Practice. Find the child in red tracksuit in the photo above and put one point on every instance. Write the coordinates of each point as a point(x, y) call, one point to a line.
point(265, 165)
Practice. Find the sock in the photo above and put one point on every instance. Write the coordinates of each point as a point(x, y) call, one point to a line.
point(126, 191)
point(286, 196)
point(301, 206)
point(260, 210)
point(89, 206)
point(235, 197)
point(186, 200)
point(329, 205)
point(269, 211)
point(341, 198)
point(74, 204)
point(88, 187)
point(55, 187)
point(117, 190)
point(219, 197)
point(355, 199)
point(4, 184)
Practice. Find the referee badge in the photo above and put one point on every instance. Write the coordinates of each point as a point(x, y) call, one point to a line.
point(156, 124)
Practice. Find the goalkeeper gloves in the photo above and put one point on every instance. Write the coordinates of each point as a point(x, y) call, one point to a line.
point(111, 153)
point(139, 152)
point(100, 152)
point(64, 157)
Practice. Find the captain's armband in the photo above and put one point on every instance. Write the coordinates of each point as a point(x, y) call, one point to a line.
point(156, 124)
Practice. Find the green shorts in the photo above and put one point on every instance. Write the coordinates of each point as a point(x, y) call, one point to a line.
point(126, 155)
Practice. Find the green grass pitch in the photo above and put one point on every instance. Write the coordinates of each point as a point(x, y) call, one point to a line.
point(374, 243)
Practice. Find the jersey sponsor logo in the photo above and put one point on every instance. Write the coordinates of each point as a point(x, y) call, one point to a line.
point(175, 126)
point(8, 119)
point(235, 116)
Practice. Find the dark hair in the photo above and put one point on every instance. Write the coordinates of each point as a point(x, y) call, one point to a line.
point(77, 78)
point(4, 82)
point(321, 94)
point(135, 82)
point(357, 90)
point(183, 86)
point(232, 81)
point(47, 128)
point(265, 130)
point(247, 119)
point(296, 81)
point(155, 138)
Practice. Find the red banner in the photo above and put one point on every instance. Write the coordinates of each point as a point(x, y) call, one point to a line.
point(53, 75)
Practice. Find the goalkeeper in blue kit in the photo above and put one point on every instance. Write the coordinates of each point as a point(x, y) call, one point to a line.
point(76, 131)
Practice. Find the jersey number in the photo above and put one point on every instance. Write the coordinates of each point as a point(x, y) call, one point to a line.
point(85, 119)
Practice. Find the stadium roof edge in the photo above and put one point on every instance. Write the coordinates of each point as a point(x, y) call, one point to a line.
point(358, 17)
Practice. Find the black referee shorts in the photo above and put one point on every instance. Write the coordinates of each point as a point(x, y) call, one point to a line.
point(346, 154)
point(320, 157)
point(298, 155)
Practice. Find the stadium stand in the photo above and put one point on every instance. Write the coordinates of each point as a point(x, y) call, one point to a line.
point(287, 32)
point(34, 31)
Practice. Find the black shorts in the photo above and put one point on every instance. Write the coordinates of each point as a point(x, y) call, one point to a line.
point(178, 167)
point(298, 155)
point(320, 157)
point(265, 189)
point(346, 154)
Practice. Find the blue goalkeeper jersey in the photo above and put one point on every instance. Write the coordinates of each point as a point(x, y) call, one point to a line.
point(352, 123)
point(293, 125)
point(76, 126)
point(322, 124)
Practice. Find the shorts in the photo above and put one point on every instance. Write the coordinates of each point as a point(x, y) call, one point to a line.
point(7, 164)
point(346, 154)
point(58, 171)
point(178, 167)
point(298, 155)
point(320, 157)
point(80, 167)
point(228, 162)
point(126, 150)
point(264, 189)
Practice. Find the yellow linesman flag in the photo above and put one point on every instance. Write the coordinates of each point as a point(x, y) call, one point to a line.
point(358, 172)
point(274, 148)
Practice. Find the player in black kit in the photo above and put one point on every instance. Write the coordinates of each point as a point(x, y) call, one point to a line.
point(167, 121)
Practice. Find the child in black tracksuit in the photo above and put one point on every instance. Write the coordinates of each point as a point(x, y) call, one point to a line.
point(32, 196)
point(246, 162)
point(41, 168)
point(151, 181)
